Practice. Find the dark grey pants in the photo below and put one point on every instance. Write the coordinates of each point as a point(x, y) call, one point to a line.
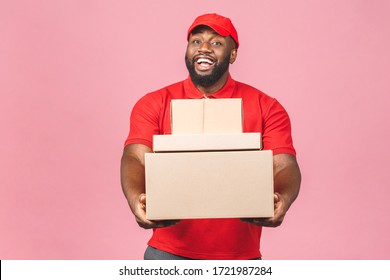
point(155, 254)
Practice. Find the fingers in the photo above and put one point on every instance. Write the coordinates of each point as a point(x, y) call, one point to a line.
point(142, 201)
point(263, 222)
point(166, 223)
point(140, 216)
point(274, 221)
point(276, 197)
point(148, 224)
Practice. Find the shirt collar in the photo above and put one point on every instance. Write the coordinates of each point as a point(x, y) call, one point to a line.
point(225, 92)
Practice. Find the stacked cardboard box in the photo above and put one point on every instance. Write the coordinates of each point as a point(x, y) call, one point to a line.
point(207, 167)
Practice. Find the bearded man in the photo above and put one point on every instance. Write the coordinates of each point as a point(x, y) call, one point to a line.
point(212, 47)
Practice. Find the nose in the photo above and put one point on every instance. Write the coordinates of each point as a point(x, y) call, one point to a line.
point(205, 47)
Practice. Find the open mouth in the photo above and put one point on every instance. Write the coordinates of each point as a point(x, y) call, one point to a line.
point(204, 63)
point(204, 60)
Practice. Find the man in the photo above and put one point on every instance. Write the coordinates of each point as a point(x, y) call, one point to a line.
point(212, 47)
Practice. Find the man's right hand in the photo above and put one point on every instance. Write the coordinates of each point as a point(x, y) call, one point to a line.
point(133, 185)
point(139, 210)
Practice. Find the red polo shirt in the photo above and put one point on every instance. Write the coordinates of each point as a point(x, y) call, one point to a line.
point(212, 238)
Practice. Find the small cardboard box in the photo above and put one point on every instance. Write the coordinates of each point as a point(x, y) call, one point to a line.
point(206, 142)
point(196, 116)
point(191, 185)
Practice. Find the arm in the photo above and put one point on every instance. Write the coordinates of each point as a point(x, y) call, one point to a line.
point(133, 184)
point(287, 181)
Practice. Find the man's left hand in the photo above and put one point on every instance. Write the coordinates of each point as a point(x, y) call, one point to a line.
point(280, 209)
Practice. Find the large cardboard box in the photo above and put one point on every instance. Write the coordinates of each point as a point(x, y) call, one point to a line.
point(193, 116)
point(206, 142)
point(192, 185)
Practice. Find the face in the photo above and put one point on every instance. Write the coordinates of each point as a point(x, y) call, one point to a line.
point(208, 56)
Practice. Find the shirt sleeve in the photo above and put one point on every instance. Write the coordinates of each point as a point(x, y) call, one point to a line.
point(277, 130)
point(144, 121)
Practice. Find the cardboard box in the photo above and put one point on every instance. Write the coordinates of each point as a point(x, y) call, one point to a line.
point(191, 185)
point(195, 116)
point(206, 142)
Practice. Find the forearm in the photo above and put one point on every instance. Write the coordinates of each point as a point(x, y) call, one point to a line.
point(287, 178)
point(133, 173)
point(132, 179)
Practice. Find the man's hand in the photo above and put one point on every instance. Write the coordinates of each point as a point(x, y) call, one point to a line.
point(139, 211)
point(280, 209)
point(133, 185)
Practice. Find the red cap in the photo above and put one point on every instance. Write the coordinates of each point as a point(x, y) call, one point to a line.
point(222, 25)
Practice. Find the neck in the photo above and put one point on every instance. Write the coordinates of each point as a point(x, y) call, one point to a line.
point(216, 86)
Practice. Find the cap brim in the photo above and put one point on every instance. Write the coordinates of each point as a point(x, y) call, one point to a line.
point(220, 30)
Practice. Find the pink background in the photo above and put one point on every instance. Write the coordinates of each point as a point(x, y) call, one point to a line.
point(70, 72)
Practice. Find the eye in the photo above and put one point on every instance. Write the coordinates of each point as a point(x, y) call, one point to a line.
point(196, 42)
point(216, 43)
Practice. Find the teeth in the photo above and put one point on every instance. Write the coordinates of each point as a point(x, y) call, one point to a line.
point(201, 60)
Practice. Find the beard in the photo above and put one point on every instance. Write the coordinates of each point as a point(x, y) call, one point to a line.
point(207, 80)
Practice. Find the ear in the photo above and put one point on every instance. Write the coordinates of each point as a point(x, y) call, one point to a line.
point(233, 55)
